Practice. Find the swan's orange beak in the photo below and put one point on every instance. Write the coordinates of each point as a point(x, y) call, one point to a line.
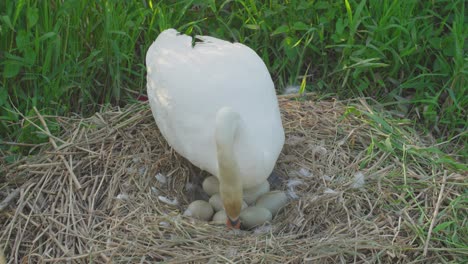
point(233, 223)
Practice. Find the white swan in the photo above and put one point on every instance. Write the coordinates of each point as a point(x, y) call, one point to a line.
point(215, 104)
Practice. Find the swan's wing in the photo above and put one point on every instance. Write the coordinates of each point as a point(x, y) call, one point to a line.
point(188, 85)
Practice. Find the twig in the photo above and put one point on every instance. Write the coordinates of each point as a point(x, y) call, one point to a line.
point(434, 215)
point(297, 95)
point(52, 141)
point(2, 256)
point(40, 165)
point(9, 198)
point(21, 144)
point(36, 126)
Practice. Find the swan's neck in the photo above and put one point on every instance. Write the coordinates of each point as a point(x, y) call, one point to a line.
point(230, 184)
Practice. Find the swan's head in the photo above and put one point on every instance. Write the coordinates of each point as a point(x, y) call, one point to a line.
point(230, 188)
point(232, 202)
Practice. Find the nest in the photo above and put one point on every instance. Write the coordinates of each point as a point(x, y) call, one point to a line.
point(110, 189)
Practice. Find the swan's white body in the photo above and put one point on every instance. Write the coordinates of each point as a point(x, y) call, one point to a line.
point(188, 87)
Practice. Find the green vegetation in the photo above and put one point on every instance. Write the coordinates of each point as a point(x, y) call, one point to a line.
point(74, 56)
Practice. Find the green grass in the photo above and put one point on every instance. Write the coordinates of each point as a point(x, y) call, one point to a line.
point(423, 177)
point(74, 56)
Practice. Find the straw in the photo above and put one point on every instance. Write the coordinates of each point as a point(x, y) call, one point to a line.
point(91, 195)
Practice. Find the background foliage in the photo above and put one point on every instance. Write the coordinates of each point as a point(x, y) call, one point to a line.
point(76, 55)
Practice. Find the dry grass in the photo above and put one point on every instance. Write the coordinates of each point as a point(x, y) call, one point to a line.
point(116, 215)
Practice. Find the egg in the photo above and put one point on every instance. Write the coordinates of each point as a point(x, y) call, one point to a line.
point(216, 202)
point(220, 218)
point(199, 209)
point(254, 216)
point(251, 194)
point(211, 185)
point(273, 201)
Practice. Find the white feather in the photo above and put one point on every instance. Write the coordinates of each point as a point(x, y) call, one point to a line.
point(167, 200)
point(292, 89)
point(161, 178)
point(359, 180)
point(305, 172)
point(291, 193)
point(122, 196)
